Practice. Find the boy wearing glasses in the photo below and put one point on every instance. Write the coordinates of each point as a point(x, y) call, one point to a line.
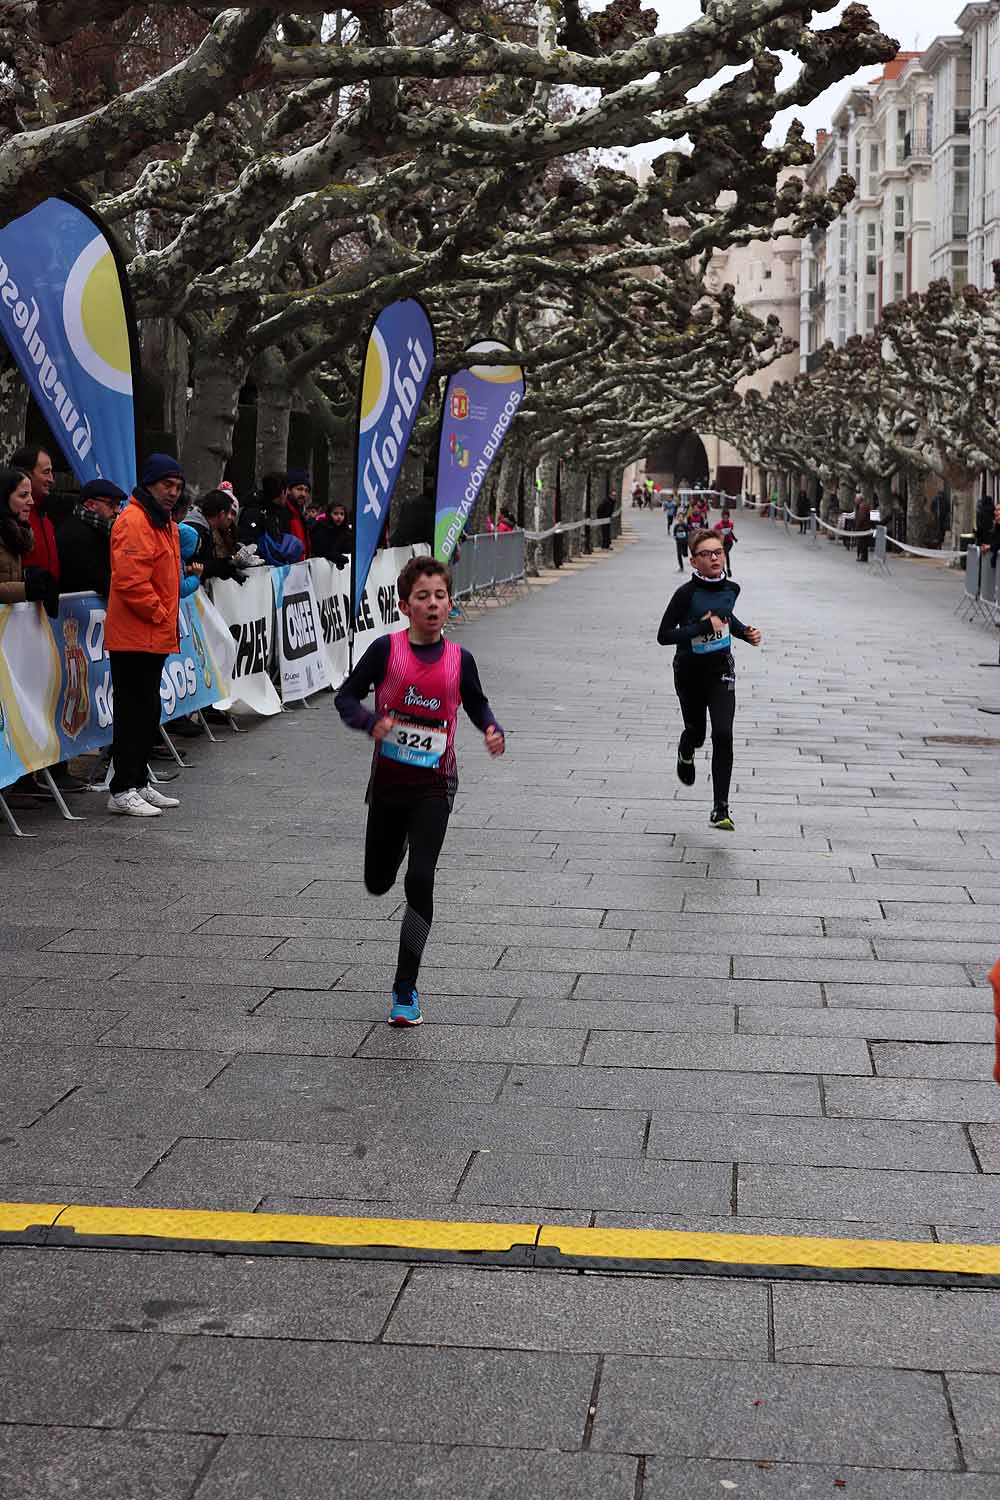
point(699, 621)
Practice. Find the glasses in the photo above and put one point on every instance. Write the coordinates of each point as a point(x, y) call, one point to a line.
point(715, 552)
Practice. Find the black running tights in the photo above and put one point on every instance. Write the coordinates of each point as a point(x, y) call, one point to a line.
point(703, 695)
point(391, 826)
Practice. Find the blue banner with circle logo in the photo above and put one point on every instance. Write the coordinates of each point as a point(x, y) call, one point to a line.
point(66, 319)
point(399, 361)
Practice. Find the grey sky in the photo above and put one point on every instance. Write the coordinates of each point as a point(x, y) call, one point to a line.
point(914, 24)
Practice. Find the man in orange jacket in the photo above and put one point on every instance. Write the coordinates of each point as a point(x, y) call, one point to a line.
point(141, 629)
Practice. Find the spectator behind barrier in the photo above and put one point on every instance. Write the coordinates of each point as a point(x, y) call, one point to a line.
point(141, 629)
point(84, 539)
point(36, 462)
point(988, 530)
point(333, 535)
point(18, 583)
point(191, 569)
point(274, 525)
point(218, 544)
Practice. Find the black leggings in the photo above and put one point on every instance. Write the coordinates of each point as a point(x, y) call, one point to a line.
point(701, 694)
point(391, 826)
point(682, 548)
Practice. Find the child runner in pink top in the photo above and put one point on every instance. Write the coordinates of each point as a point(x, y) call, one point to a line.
point(419, 680)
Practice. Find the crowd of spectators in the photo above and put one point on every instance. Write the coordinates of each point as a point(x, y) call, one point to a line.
point(142, 553)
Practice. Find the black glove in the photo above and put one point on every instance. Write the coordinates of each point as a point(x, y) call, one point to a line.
point(226, 569)
point(39, 585)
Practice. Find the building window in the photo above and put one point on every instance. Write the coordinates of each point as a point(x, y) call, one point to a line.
point(899, 211)
point(899, 241)
point(897, 285)
point(870, 311)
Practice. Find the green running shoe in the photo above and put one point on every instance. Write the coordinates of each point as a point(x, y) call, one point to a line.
point(720, 818)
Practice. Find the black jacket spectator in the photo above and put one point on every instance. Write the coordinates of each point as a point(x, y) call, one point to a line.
point(333, 536)
point(272, 520)
point(83, 539)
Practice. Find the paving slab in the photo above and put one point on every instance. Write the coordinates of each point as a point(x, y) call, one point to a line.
point(604, 1315)
point(762, 1411)
point(343, 1390)
point(783, 1141)
point(708, 1479)
point(50, 1462)
point(912, 1099)
point(186, 1294)
point(576, 1182)
point(929, 1197)
point(900, 1327)
point(247, 1468)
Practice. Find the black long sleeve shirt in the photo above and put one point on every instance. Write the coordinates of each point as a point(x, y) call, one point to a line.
point(684, 619)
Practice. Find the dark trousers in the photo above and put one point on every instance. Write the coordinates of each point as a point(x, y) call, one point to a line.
point(135, 680)
point(422, 824)
point(864, 543)
point(709, 694)
point(682, 550)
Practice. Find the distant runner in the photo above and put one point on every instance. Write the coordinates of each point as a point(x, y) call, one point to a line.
point(420, 681)
point(699, 621)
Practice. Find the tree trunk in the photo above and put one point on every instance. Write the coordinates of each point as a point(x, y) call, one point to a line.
point(274, 409)
point(411, 514)
point(541, 553)
point(13, 406)
point(919, 521)
point(166, 366)
point(216, 377)
point(574, 496)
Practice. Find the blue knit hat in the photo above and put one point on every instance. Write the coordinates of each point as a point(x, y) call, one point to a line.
point(299, 476)
point(159, 466)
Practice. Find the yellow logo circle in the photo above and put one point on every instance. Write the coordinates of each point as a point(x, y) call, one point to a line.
point(374, 381)
point(94, 317)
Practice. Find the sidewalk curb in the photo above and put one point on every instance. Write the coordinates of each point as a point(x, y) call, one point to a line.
point(518, 1246)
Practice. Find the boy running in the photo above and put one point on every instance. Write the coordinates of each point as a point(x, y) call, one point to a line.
point(681, 527)
point(419, 681)
point(699, 621)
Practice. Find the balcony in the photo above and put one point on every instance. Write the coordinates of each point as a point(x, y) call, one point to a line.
point(916, 143)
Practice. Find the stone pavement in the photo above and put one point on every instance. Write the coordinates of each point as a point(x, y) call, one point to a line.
point(630, 1020)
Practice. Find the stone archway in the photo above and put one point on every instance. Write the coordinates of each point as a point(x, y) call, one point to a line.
point(678, 456)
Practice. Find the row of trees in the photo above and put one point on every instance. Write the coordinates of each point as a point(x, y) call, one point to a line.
point(918, 400)
point(276, 176)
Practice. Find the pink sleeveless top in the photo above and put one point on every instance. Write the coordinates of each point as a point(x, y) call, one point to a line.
point(423, 699)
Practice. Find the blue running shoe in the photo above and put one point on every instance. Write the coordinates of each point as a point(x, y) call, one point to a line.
point(405, 1012)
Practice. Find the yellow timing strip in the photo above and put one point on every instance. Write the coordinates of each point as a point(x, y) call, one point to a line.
point(774, 1250)
point(194, 1226)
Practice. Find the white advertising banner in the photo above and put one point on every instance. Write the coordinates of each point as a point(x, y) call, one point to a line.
point(302, 659)
point(248, 611)
point(378, 613)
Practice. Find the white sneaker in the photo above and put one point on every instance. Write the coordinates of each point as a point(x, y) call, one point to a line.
point(132, 804)
point(157, 799)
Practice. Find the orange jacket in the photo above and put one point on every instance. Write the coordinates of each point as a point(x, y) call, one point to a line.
point(145, 582)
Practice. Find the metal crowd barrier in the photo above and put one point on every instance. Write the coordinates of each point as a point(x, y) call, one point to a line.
point(490, 562)
point(981, 598)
